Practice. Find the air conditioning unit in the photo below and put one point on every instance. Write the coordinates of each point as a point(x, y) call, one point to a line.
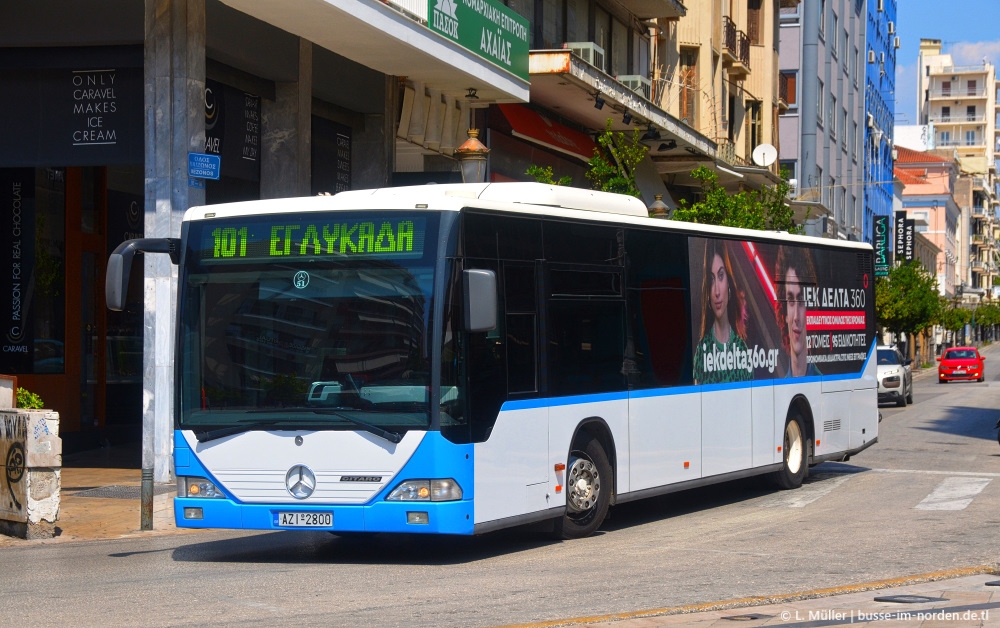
point(892, 28)
point(871, 121)
point(895, 43)
point(793, 188)
point(588, 51)
point(638, 84)
point(881, 57)
point(881, 5)
point(871, 56)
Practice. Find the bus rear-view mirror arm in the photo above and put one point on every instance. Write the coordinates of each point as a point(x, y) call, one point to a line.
point(480, 289)
point(120, 265)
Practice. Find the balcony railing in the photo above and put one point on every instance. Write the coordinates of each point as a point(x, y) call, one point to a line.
point(980, 183)
point(959, 92)
point(744, 45)
point(960, 69)
point(729, 36)
point(977, 143)
point(978, 211)
point(958, 119)
point(727, 152)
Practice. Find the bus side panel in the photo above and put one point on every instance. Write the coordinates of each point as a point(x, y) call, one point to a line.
point(762, 397)
point(726, 428)
point(511, 470)
point(664, 437)
point(864, 406)
point(566, 413)
point(833, 431)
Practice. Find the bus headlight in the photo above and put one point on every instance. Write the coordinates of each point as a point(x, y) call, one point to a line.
point(198, 487)
point(440, 490)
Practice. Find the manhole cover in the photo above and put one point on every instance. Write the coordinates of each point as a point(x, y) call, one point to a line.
point(117, 491)
point(910, 599)
point(748, 617)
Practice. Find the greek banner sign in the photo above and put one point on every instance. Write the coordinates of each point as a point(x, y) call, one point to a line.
point(485, 27)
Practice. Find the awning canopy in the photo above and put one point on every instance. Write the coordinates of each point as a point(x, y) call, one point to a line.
point(528, 125)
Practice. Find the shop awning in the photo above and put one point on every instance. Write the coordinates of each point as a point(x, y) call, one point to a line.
point(528, 125)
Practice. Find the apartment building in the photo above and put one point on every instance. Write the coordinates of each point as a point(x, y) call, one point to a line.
point(822, 131)
point(929, 200)
point(958, 105)
point(881, 44)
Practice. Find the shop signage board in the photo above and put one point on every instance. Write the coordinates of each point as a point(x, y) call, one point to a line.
point(485, 27)
point(881, 230)
point(232, 130)
point(17, 261)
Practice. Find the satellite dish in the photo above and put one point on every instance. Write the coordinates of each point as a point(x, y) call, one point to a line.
point(764, 155)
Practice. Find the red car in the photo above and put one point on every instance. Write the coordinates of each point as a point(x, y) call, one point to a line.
point(960, 363)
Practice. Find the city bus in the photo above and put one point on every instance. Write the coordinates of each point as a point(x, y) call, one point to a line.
point(457, 359)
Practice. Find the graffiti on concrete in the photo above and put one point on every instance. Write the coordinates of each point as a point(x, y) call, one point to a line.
point(13, 434)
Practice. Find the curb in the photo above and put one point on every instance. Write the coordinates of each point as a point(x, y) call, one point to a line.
point(767, 600)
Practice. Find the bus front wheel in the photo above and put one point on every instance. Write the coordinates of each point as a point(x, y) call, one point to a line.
point(794, 455)
point(588, 491)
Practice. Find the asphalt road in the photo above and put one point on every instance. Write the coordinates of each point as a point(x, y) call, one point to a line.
point(923, 499)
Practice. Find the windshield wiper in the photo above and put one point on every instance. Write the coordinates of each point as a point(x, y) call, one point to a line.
point(392, 437)
point(206, 435)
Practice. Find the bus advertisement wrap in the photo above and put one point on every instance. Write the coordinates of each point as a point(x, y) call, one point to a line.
point(768, 311)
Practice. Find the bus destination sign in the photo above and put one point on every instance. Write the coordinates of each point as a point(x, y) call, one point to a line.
point(275, 238)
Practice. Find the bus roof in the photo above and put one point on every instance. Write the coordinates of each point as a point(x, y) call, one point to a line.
point(518, 197)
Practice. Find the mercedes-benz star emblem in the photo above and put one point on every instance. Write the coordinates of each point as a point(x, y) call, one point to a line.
point(300, 481)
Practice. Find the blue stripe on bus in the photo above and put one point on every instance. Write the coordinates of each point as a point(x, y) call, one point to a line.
point(551, 402)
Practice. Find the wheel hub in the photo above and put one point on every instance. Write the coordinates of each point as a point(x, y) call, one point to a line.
point(584, 485)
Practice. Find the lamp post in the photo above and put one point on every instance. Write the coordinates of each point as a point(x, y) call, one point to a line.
point(658, 209)
point(471, 156)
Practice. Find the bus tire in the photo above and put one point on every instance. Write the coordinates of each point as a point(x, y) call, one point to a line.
point(794, 455)
point(588, 491)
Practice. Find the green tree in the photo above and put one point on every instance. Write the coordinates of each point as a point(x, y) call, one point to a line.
point(613, 169)
point(907, 300)
point(952, 318)
point(544, 175)
point(750, 209)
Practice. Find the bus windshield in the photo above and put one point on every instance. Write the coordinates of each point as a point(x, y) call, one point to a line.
point(307, 321)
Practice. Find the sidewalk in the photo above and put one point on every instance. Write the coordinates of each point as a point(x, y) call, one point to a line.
point(957, 598)
point(103, 503)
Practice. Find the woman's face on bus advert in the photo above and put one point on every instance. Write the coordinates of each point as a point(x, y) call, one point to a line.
point(720, 288)
point(795, 314)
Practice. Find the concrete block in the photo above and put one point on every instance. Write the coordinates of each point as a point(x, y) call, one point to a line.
point(31, 453)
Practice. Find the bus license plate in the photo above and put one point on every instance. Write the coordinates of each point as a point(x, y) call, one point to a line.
point(303, 519)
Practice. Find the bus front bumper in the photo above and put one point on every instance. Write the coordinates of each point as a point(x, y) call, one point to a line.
point(410, 517)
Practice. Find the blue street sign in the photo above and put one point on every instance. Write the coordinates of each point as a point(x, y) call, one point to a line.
point(203, 166)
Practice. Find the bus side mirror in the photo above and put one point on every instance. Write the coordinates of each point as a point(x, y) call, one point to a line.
point(480, 290)
point(120, 266)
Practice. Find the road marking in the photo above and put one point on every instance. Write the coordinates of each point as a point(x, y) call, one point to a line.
point(975, 474)
point(817, 486)
point(954, 493)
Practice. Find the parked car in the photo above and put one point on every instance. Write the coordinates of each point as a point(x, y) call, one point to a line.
point(895, 376)
point(961, 363)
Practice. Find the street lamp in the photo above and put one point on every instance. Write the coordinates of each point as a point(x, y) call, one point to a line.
point(471, 156)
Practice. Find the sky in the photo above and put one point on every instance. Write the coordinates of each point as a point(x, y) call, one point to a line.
point(968, 29)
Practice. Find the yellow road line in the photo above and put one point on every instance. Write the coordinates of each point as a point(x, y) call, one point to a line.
point(766, 599)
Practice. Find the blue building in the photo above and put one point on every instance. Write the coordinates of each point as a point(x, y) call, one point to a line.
point(880, 109)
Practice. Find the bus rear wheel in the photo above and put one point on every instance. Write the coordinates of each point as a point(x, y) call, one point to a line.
point(794, 455)
point(588, 491)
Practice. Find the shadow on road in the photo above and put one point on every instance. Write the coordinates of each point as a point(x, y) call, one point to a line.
point(965, 421)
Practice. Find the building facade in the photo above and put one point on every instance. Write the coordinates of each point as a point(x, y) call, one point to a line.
point(881, 42)
point(957, 105)
point(928, 200)
point(822, 132)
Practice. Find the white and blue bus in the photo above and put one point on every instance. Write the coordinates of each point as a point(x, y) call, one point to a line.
point(461, 358)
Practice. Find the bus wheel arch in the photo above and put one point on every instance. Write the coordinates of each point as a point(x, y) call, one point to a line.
point(589, 481)
point(797, 450)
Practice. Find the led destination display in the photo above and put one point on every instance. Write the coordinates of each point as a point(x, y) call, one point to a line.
point(278, 237)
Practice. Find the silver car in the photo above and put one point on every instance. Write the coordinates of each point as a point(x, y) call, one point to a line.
point(895, 376)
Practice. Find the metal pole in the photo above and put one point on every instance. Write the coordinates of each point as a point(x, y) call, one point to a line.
point(147, 499)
